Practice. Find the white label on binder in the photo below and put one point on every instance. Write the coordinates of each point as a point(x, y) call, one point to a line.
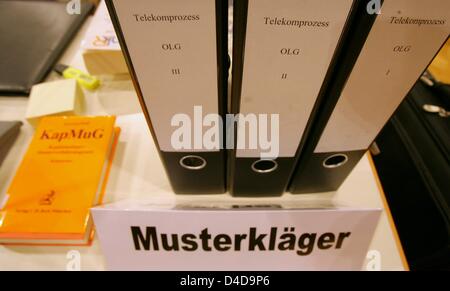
point(403, 40)
point(288, 50)
point(172, 45)
point(163, 237)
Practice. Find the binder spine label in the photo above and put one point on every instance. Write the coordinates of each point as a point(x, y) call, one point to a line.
point(402, 42)
point(173, 48)
point(288, 49)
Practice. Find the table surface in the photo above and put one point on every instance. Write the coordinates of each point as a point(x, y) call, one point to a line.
point(137, 174)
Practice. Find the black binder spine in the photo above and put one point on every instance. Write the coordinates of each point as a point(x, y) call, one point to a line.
point(392, 50)
point(196, 171)
point(252, 175)
point(309, 176)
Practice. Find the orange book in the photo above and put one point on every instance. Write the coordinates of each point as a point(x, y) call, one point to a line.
point(62, 175)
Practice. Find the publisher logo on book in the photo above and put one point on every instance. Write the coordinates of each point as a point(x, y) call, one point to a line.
point(105, 41)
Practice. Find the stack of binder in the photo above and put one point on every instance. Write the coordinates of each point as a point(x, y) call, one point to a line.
point(313, 83)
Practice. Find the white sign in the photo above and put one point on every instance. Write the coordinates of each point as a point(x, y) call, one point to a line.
point(234, 239)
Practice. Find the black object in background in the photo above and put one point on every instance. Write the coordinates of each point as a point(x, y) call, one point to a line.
point(33, 35)
point(9, 130)
point(440, 89)
point(414, 169)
